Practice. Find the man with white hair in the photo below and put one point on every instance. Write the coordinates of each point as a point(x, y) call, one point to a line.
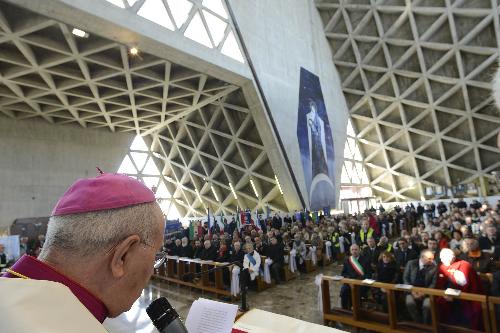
point(98, 256)
point(355, 267)
point(251, 269)
point(490, 243)
point(299, 252)
point(458, 274)
point(209, 252)
point(186, 248)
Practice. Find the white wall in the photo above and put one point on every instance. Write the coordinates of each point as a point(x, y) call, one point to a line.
point(39, 161)
point(281, 37)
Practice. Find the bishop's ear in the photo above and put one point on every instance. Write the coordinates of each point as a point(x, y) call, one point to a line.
point(123, 252)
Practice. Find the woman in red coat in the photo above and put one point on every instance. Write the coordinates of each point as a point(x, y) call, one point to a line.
point(459, 274)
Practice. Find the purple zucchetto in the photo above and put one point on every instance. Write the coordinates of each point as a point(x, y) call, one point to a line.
point(106, 191)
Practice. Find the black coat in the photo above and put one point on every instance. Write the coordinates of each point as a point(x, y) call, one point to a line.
point(176, 250)
point(401, 259)
point(209, 254)
point(3, 260)
point(349, 272)
point(387, 273)
point(485, 243)
point(261, 249)
point(197, 252)
point(231, 227)
point(277, 222)
point(223, 258)
point(372, 255)
point(276, 253)
point(186, 251)
point(237, 256)
point(482, 264)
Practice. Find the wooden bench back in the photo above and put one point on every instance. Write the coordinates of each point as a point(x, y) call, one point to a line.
point(389, 323)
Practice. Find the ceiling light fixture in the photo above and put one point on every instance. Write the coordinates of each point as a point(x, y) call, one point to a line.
point(278, 183)
point(232, 190)
point(215, 194)
point(134, 51)
point(254, 189)
point(79, 33)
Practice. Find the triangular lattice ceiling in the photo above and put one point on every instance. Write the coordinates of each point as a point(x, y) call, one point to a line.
point(204, 21)
point(417, 79)
point(199, 130)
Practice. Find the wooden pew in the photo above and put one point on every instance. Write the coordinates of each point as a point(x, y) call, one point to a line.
point(185, 265)
point(495, 321)
point(261, 284)
point(287, 273)
point(324, 260)
point(389, 322)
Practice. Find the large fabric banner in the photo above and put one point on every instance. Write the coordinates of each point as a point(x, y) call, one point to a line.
point(314, 135)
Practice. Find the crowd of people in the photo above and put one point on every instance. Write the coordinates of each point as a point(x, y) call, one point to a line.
point(452, 245)
point(443, 246)
point(27, 246)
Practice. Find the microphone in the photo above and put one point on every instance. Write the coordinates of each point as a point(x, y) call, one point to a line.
point(164, 317)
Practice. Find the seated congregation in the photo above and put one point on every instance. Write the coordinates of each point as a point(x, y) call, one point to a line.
point(448, 246)
point(456, 248)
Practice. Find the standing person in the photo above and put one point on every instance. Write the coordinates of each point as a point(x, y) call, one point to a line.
point(299, 247)
point(23, 246)
point(98, 256)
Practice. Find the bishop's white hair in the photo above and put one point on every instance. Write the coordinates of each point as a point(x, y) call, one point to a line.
point(446, 255)
point(94, 232)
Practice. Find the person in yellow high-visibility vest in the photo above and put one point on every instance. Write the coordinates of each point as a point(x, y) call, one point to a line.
point(364, 233)
point(384, 244)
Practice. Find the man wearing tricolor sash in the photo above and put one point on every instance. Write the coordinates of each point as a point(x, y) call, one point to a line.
point(355, 267)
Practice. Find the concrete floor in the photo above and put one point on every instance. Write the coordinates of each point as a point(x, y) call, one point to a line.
point(297, 298)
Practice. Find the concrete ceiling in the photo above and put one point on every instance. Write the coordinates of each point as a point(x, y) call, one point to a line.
point(417, 80)
point(198, 127)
